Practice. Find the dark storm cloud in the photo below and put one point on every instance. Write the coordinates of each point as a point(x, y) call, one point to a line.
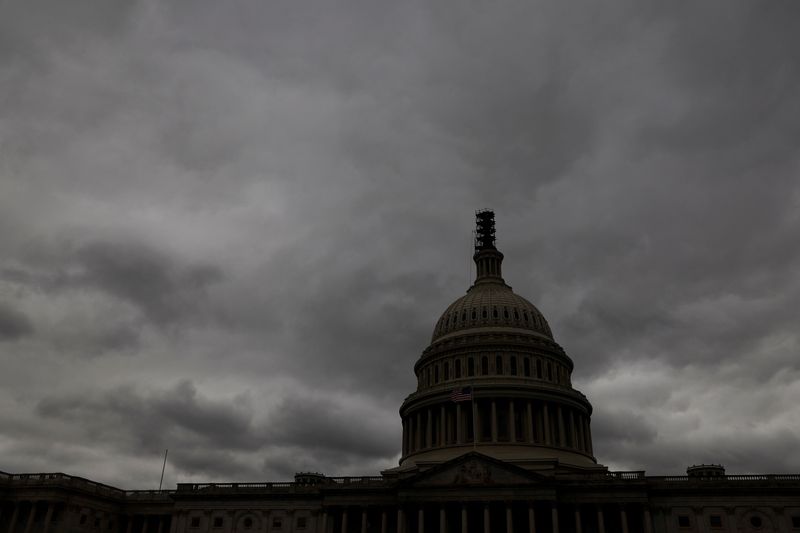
point(147, 422)
point(13, 324)
point(265, 207)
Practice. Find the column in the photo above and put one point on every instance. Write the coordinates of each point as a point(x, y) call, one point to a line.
point(443, 427)
point(442, 520)
point(531, 519)
point(14, 516)
point(573, 432)
point(487, 522)
point(31, 517)
point(459, 435)
point(418, 432)
point(577, 520)
point(324, 522)
point(129, 529)
point(174, 523)
point(464, 525)
point(384, 522)
point(589, 435)
point(562, 440)
point(648, 521)
point(529, 420)
point(494, 421)
point(509, 519)
point(601, 525)
point(160, 524)
point(554, 515)
point(623, 518)
point(476, 431)
point(428, 431)
point(512, 427)
point(404, 449)
point(48, 516)
point(421, 520)
point(144, 524)
point(545, 417)
point(364, 520)
point(401, 520)
point(344, 520)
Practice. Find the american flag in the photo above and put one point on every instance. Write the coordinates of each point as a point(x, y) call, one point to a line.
point(461, 395)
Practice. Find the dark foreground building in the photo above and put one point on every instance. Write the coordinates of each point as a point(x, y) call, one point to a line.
point(495, 439)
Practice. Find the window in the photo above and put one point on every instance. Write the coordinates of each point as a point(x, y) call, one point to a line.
point(526, 367)
point(516, 314)
point(195, 522)
point(525, 316)
point(756, 521)
point(247, 523)
point(484, 313)
point(277, 523)
point(484, 366)
point(498, 364)
point(683, 521)
point(796, 522)
point(217, 521)
point(84, 518)
point(436, 374)
point(446, 371)
point(715, 520)
point(470, 366)
point(458, 368)
point(96, 523)
point(513, 368)
point(539, 368)
point(474, 314)
point(549, 374)
point(301, 522)
point(494, 312)
point(505, 312)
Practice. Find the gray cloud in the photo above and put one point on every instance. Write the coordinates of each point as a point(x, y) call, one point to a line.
point(250, 218)
point(13, 324)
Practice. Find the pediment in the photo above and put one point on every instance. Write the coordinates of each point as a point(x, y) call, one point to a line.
point(474, 469)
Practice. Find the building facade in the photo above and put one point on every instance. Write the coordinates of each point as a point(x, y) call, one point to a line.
point(495, 440)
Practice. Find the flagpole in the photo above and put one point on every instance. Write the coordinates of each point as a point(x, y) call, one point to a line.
point(163, 467)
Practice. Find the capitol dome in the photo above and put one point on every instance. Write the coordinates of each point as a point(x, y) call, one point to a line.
point(491, 305)
point(494, 380)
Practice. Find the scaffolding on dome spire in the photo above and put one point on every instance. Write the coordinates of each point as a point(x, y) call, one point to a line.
point(484, 230)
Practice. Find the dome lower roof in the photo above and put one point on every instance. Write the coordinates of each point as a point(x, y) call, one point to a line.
point(489, 305)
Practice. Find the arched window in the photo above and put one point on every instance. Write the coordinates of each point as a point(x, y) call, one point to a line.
point(516, 314)
point(484, 366)
point(526, 367)
point(458, 368)
point(525, 316)
point(470, 367)
point(549, 373)
point(484, 313)
point(436, 374)
point(505, 312)
point(474, 314)
point(463, 316)
point(447, 371)
point(494, 312)
point(513, 365)
point(498, 365)
point(539, 368)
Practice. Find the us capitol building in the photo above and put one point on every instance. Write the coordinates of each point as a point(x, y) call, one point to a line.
point(495, 440)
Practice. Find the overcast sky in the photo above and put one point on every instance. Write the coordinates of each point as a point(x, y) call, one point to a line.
point(228, 228)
